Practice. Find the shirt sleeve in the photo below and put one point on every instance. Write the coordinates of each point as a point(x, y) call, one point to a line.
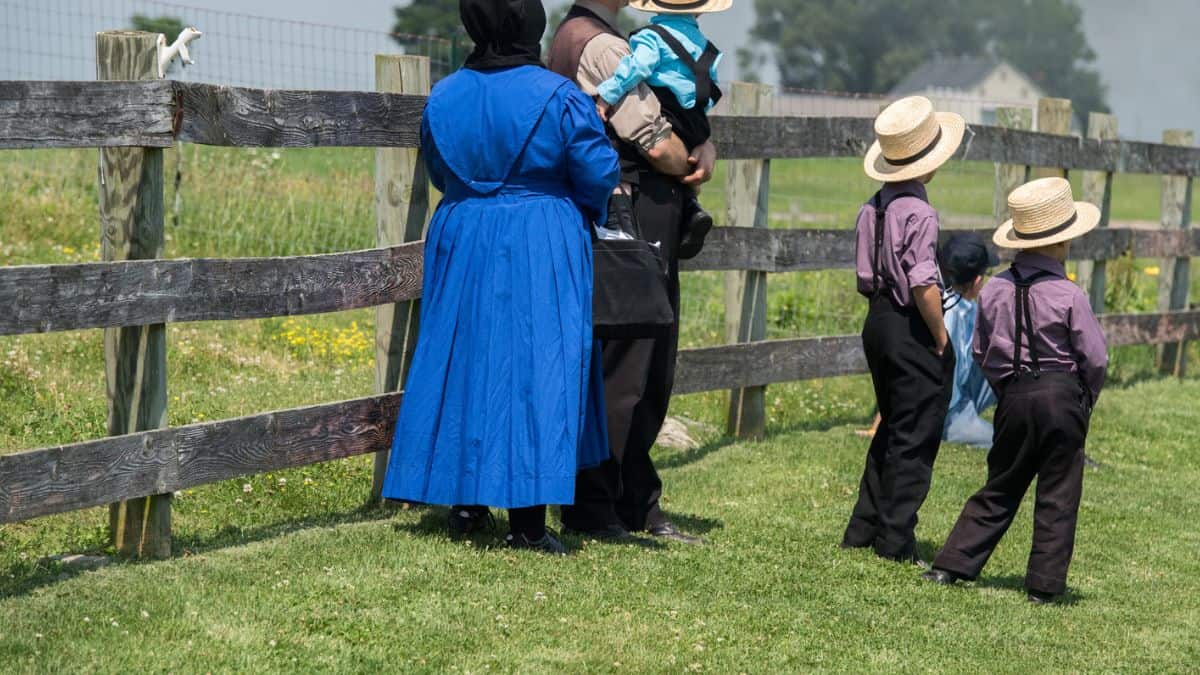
point(638, 117)
point(981, 339)
point(1091, 349)
point(592, 165)
point(433, 164)
point(633, 69)
point(919, 260)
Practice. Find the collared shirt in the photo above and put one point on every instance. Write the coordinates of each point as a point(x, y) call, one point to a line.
point(655, 63)
point(638, 117)
point(1067, 335)
point(909, 252)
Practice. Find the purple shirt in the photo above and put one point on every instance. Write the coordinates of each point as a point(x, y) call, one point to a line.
point(910, 235)
point(1067, 335)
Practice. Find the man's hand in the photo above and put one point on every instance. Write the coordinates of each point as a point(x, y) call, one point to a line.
point(928, 300)
point(703, 160)
point(602, 109)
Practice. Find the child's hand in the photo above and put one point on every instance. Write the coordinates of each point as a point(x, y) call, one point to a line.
point(602, 108)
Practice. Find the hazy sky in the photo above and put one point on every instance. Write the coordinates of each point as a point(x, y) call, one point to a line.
point(1146, 50)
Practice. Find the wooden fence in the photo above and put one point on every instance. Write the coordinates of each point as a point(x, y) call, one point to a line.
point(132, 295)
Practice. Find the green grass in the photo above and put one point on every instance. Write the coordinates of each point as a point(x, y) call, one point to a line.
point(297, 578)
point(372, 589)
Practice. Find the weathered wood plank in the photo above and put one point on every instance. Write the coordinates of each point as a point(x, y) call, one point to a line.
point(86, 114)
point(1175, 281)
point(799, 137)
point(83, 475)
point(401, 214)
point(774, 361)
point(747, 193)
point(47, 298)
point(806, 250)
point(1054, 117)
point(135, 357)
point(1092, 275)
point(1009, 176)
point(298, 119)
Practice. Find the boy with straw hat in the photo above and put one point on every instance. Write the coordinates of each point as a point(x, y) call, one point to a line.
point(1042, 349)
point(904, 336)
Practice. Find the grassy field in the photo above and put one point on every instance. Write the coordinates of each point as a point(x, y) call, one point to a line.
point(289, 576)
point(288, 570)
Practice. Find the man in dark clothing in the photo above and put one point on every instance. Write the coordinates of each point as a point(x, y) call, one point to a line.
point(623, 494)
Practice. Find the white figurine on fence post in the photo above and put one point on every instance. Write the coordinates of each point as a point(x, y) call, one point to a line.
point(179, 47)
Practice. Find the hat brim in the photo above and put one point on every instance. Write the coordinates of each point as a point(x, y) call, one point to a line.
point(953, 128)
point(710, 6)
point(1087, 217)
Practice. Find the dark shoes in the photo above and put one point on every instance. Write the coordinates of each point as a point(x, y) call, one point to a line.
point(610, 533)
point(667, 530)
point(464, 521)
point(913, 558)
point(941, 577)
point(696, 225)
point(1040, 598)
point(547, 544)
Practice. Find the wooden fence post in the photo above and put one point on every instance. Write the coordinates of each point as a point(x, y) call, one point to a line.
point(1097, 189)
point(1009, 176)
point(747, 186)
point(1175, 273)
point(1054, 117)
point(401, 213)
point(135, 358)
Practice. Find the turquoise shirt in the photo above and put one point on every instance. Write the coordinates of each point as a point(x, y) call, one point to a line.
point(654, 63)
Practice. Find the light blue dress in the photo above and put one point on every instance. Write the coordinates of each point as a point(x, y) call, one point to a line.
point(972, 394)
point(504, 401)
point(652, 61)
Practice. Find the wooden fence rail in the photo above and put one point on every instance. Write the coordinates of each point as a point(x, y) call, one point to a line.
point(131, 299)
point(158, 113)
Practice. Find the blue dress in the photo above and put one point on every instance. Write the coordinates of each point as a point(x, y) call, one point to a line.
point(504, 401)
point(972, 393)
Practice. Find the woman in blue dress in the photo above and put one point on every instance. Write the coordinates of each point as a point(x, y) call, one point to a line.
point(504, 400)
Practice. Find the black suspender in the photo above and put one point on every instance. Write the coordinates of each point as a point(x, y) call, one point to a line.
point(1024, 321)
point(706, 89)
point(880, 217)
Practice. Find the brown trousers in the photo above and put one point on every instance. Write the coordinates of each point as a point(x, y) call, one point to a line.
point(1041, 427)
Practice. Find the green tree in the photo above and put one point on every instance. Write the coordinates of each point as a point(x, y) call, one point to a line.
point(870, 45)
point(170, 26)
point(432, 28)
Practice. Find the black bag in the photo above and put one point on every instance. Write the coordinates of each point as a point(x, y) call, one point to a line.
point(629, 297)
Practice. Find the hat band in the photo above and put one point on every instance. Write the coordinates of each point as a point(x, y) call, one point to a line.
point(1047, 233)
point(920, 155)
point(679, 5)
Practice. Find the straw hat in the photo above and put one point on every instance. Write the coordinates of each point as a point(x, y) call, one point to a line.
point(913, 140)
point(681, 6)
point(1044, 212)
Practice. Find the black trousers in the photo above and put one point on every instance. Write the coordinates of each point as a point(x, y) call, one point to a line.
point(1041, 429)
point(912, 388)
point(638, 378)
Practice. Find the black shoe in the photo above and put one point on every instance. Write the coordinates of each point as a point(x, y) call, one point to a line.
point(913, 558)
point(464, 521)
point(1040, 598)
point(941, 577)
point(667, 530)
point(547, 544)
point(697, 223)
point(614, 532)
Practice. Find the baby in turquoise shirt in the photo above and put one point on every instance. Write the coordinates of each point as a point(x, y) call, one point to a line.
point(679, 64)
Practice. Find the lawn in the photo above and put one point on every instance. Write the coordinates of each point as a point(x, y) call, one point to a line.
point(289, 570)
point(294, 576)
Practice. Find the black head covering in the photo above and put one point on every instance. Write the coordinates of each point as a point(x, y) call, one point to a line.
point(964, 257)
point(507, 33)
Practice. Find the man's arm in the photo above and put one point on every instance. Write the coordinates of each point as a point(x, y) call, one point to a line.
point(638, 117)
